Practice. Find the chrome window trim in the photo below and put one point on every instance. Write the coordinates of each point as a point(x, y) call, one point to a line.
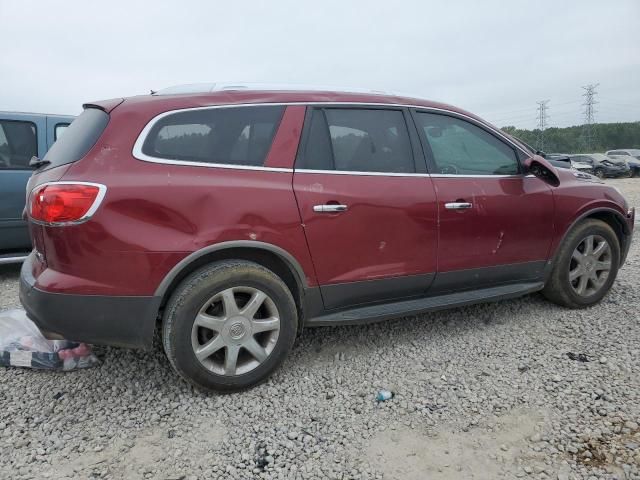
point(393, 174)
point(187, 163)
point(452, 175)
point(357, 173)
point(102, 191)
point(137, 146)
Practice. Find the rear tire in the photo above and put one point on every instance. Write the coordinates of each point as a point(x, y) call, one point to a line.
point(229, 326)
point(585, 267)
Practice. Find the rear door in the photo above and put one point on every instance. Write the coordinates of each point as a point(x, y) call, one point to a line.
point(19, 141)
point(367, 206)
point(496, 224)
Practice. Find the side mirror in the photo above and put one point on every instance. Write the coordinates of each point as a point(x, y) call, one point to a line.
point(542, 169)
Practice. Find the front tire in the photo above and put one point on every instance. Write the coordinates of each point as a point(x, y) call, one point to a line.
point(599, 173)
point(229, 326)
point(586, 265)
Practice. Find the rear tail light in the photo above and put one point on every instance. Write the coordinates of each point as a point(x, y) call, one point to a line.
point(61, 203)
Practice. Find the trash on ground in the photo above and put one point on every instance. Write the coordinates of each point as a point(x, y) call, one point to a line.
point(384, 395)
point(23, 345)
point(580, 357)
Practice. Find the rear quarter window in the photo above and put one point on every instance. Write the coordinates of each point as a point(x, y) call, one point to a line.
point(230, 136)
point(78, 138)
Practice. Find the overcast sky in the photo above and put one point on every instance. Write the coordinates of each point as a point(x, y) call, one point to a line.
point(494, 58)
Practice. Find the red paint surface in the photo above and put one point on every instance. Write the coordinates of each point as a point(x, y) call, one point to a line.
point(283, 150)
point(511, 221)
point(389, 229)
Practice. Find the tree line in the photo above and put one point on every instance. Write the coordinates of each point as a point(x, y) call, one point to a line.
point(604, 136)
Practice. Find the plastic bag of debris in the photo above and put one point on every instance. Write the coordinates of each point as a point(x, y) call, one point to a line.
point(22, 345)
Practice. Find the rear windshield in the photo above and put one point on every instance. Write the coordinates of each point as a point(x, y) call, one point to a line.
point(78, 138)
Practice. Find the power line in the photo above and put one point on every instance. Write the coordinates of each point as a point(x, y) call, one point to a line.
point(589, 113)
point(542, 122)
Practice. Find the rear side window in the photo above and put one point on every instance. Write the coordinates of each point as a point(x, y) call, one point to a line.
point(18, 143)
point(232, 136)
point(358, 140)
point(59, 130)
point(462, 148)
point(78, 138)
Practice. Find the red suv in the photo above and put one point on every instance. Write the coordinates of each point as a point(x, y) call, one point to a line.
point(235, 217)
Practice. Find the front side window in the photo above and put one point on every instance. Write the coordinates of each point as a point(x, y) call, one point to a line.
point(18, 143)
point(461, 148)
point(233, 136)
point(358, 140)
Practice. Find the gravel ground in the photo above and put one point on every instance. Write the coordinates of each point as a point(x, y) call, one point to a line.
point(482, 392)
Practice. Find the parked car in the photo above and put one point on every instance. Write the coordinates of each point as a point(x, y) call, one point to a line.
point(630, 156)
point(236, 217)
point(631, 152)
point(603, 166)
point(582, 167)
point(563, 160)
point(558, 160)
point(22, 136)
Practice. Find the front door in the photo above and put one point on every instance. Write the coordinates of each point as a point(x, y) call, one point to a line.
point(367, 206)
point(496, 224)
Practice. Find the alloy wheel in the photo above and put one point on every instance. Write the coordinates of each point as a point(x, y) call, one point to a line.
point(590, 265)
point(235, 330)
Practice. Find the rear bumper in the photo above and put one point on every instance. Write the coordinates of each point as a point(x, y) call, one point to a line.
point(104, 320)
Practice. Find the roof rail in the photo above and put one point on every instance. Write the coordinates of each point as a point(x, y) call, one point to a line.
point(231, 86)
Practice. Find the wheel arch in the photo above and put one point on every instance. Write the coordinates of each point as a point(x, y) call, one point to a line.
point(276, 259)
point(611, 217)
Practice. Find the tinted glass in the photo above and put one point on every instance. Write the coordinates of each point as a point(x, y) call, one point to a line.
point(370, 140)
point(18, 143)
point(78, 138)
point(236, 136)
point(461, 148)
point(358, 140)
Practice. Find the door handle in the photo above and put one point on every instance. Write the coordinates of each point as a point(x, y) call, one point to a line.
point(329, 208)
point(458, 205)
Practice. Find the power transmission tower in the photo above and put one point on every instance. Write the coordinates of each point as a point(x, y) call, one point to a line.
point(542, 122)
point(588, 132)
